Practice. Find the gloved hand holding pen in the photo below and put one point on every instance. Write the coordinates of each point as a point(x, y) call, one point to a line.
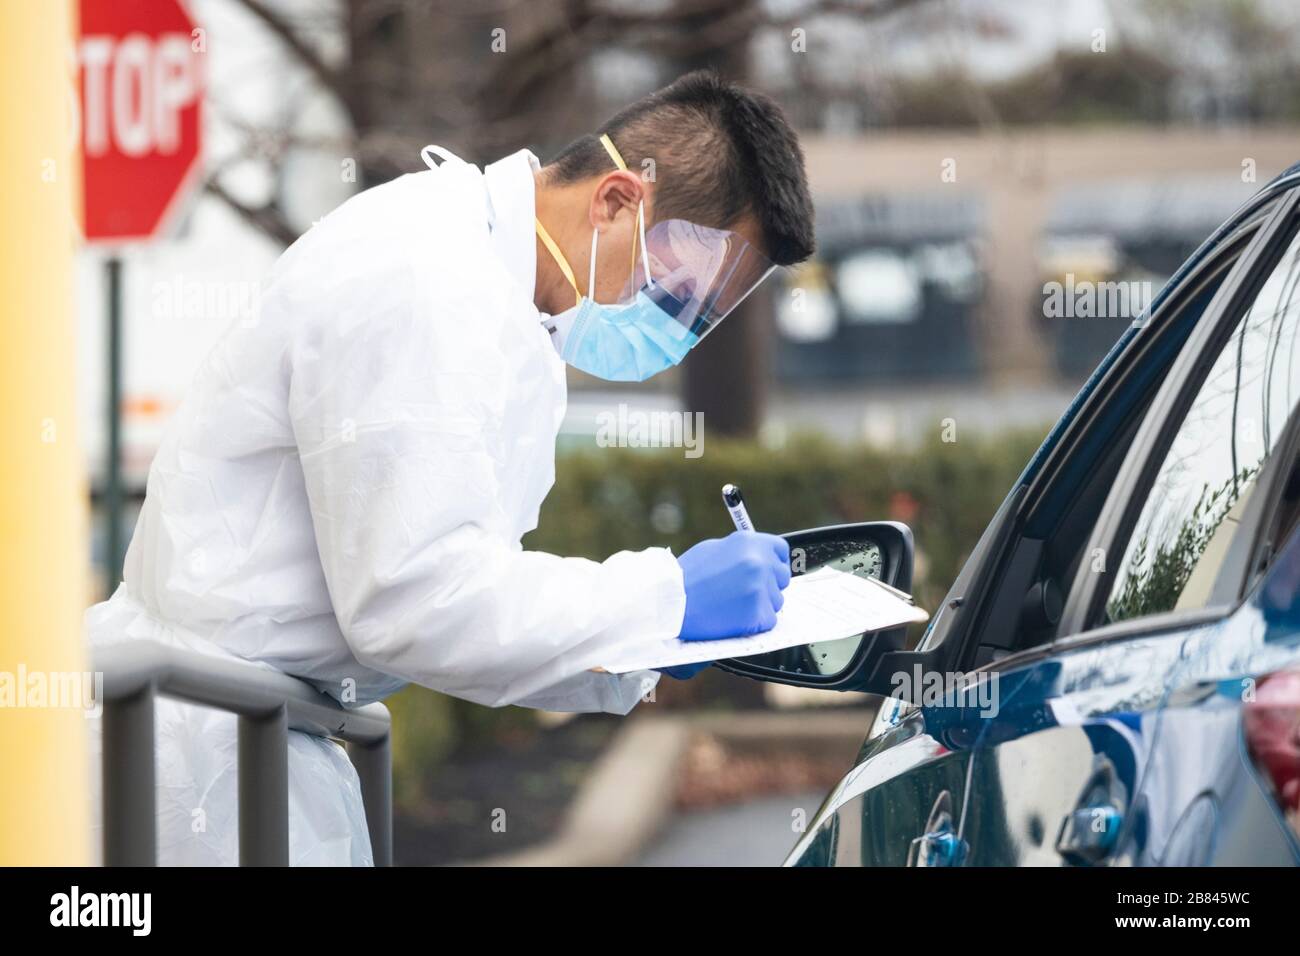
point(733, 589)
point(733, 585)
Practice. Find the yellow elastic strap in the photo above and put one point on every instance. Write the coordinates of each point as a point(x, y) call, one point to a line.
point(554, 249)
point(558, 256)
point(613, 153)
point(617, 157)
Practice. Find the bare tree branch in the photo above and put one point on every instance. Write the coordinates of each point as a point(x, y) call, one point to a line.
point(687, 29)
point(333, 80)
point(395, 96)
point(269, 219)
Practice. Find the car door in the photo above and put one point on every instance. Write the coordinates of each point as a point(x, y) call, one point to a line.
point(1062, 773)
point(1034, 752)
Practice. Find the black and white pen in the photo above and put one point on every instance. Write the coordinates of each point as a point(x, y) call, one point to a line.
point(735, 503)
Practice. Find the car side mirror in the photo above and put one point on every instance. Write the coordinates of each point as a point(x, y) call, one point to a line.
point(877, 549)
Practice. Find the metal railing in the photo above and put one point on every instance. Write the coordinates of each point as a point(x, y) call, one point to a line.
point(268, 705)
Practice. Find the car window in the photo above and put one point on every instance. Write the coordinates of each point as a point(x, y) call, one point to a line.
point(1193, 508)
point(1027, 595)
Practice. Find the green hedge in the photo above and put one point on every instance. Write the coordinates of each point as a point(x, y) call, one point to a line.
point(607, 500)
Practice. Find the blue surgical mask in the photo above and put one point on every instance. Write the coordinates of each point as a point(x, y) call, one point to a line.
point(625, 342)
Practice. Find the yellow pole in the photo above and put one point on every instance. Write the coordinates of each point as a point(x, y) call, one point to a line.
point(43, 557)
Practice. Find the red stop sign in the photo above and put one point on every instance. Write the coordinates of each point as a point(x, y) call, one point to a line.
point(141, 78)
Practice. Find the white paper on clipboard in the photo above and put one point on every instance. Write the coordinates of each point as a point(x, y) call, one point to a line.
point(824, 605)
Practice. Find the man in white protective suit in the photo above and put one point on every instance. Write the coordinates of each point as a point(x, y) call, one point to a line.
point(342, 494)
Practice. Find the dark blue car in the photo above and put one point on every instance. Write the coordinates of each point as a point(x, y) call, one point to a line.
point(1114, 676)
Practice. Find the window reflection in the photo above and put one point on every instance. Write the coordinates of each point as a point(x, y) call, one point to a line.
point(1205, 482)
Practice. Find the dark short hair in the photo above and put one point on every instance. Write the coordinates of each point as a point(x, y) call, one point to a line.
point(720, 152)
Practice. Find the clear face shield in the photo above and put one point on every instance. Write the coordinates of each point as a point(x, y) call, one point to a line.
point(695, 274)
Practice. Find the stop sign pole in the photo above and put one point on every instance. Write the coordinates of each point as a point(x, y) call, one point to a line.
point(114, 536)
point(141, 83)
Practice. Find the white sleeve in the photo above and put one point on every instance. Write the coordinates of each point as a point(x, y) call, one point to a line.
point(592, 691)
point(426, 576)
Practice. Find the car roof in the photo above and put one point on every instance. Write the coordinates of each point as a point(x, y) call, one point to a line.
point(1291, 172)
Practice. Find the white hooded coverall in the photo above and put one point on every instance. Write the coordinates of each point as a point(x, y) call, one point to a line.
point(341, 496)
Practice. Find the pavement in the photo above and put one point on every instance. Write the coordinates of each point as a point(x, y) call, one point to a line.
point(756, 833)
point(625, 812)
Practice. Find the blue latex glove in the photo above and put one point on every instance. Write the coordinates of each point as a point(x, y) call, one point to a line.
point(733, 585)
point(684, 671)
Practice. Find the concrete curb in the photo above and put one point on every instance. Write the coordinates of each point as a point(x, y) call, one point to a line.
point(630, 793)
point(628, 796)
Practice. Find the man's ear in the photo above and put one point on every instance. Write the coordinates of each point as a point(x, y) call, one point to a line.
point(617, 191)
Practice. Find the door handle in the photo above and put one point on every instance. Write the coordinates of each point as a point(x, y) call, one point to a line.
point(1089, 834)
point(940, 844)
point(939, 848)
